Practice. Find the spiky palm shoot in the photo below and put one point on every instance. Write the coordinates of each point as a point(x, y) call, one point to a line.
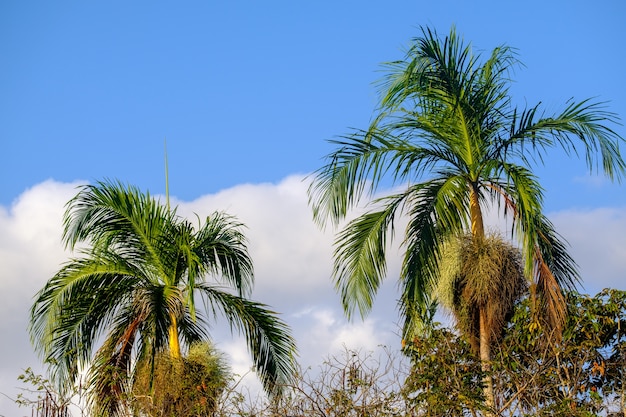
point(448, 135)
point(132, 292)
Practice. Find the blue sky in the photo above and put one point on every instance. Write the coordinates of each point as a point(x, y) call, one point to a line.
point(248, 92)
point(247, 95)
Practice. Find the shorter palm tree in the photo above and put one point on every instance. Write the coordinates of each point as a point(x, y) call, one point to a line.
point(133, 291)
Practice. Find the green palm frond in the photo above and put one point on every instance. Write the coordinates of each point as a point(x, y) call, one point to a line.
point(220, 244)
point(269, 339)
point(340, 184)
point(443, 199)
point(360, 258)
point(66, 323)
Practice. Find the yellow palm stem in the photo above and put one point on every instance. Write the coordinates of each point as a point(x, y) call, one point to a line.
point(476, 215)
point(173, 339)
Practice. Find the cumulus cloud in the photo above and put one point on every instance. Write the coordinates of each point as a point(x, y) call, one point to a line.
point(292, 259)
point(30, 253)
point(597, 242)
point(291, 254)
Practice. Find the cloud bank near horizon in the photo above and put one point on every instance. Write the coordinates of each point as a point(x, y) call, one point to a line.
point(292, 259)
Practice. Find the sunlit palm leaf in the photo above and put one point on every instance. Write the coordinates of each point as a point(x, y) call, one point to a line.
point(269, 338)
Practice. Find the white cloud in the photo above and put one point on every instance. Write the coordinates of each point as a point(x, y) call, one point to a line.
point(597, 240)
point(291, 255)
point(30, 253)
point(592, 181)
point(293, 262)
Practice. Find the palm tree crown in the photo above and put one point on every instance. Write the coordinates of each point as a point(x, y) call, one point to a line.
point(447, 131)
point(133, 292)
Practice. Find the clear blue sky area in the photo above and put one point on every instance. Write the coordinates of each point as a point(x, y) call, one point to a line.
point(249, 92)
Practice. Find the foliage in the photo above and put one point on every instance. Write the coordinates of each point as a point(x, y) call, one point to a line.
point(188, 386)
point(43, 399)
point(446, 377)
point(581, 375)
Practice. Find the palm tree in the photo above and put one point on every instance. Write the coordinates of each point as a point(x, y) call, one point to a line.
point(449, 139)
point(133, 293)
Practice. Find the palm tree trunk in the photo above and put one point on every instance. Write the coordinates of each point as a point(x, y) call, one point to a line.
point(485, 361)
point(478, 232)
point(173, 338)
point(476, 215)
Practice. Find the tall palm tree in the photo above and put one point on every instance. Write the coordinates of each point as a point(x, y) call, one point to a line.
point(133, 291)
point(449, 138)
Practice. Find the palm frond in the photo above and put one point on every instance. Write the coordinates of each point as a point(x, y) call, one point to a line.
point(65, 323)
point(269, 339)
point(436, 210)
point(220, 249)
point(555, 273)
point(360, 257)
point(359, 163)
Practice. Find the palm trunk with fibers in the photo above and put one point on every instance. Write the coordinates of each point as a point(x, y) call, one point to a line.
point(476, 215)
point(173, 338)
point(478, 232)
